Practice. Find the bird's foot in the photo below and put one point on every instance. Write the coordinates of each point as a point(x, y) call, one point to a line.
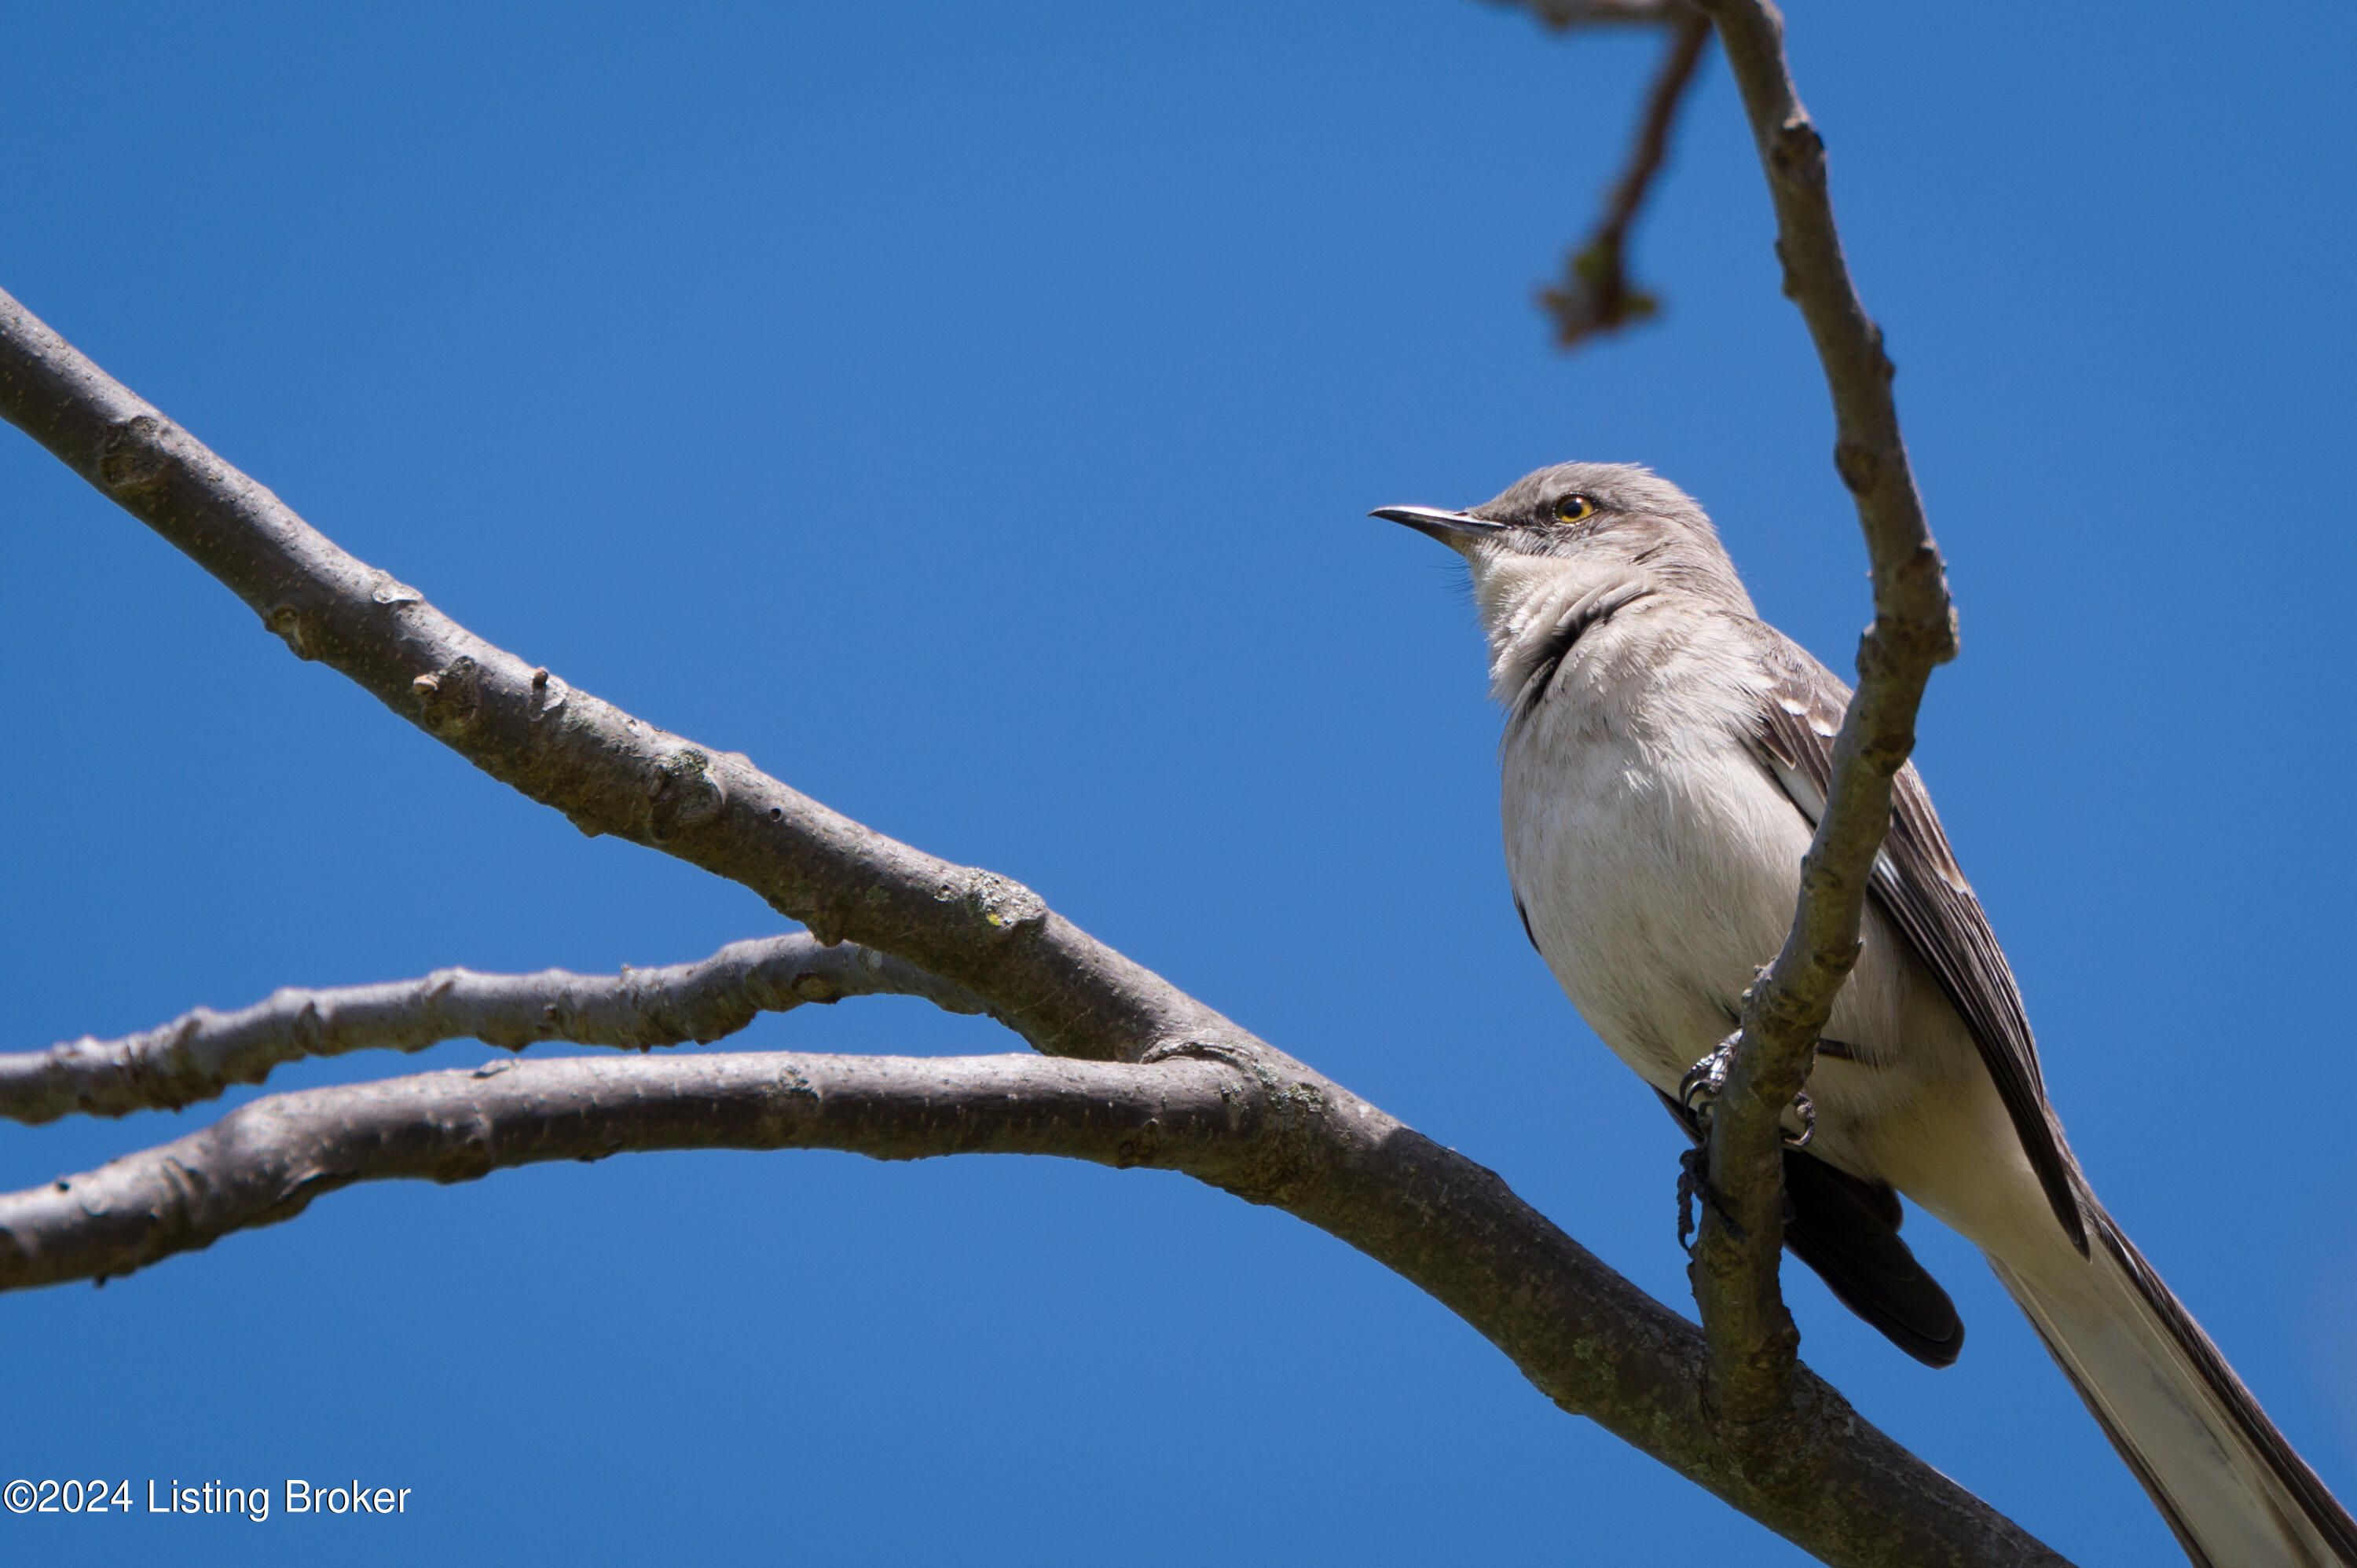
point(1806, 1109)
point(1699, 1090)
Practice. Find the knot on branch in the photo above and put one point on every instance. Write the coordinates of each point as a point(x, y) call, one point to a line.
point(295, 626)
point(1142, 1147)
point(684, 793)
point(449, 698)
point(1596, 295)
point(1797, 154)
point(1903, 647)
point(548, 694)
point(1860, 465)
point(133, 456)
point(824, 989)
point(998, 904)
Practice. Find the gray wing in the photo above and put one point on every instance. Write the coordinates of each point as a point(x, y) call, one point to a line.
point(1918, 884)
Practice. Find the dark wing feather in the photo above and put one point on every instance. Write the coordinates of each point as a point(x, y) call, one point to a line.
point(1846, 1229)
point(1918, 884)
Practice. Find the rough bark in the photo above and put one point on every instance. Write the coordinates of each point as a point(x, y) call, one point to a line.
point(1752, 1340)
point(201, 1053)
point(1253, 1123)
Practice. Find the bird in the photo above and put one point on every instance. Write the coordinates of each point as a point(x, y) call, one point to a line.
point(1666, 755)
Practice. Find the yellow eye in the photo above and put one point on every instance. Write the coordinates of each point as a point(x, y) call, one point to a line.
point(1574, 508)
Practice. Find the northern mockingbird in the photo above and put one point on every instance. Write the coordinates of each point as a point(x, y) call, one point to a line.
point(1666, 755)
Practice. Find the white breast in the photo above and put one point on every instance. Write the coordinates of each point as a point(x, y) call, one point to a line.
point(1658, 863)
point(1655, 860)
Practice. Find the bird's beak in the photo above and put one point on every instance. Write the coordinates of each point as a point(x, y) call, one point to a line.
point(1451, 528)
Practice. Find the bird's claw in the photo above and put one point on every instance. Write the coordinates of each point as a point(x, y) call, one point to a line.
point(1807, 1107)
point(1700, 1087)
point(1699, 1090)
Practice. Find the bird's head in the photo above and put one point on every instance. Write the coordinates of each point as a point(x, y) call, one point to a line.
point(1559, 533)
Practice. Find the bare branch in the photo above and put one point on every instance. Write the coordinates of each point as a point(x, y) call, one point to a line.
point(265, 1162)
point(1266, 1130)
point(1753, 1343)
point(1596, 294)
point(1590, 1339)
point(607, 771)
point(199, 1053)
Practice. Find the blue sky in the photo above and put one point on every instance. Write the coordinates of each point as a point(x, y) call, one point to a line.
point(970, 414)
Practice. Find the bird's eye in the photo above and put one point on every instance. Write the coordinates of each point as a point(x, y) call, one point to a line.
point(1574, 508)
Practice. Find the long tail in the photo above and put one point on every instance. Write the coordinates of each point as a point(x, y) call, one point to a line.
point(2225, 1480)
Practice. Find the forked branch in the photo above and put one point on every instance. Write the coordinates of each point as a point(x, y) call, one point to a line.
point(1260, 1127)
point(1591, 1341)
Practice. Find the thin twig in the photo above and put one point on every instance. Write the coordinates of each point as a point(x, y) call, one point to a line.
point(1753, 1344)
point(199, 1053)
point(1596, 295)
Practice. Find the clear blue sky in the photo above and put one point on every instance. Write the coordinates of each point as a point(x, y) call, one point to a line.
point(970, 413)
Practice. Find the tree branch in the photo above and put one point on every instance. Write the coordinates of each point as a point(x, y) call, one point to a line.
point(607, 771)
point(1591, 1341)
point(199, 1053)
point(1268, 1131)
point(1594, 295)
point(1753, 1345)
point(265, 1162)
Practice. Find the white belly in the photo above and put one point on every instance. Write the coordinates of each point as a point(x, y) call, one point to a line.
point(1657, 879)
point(1651, 935)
